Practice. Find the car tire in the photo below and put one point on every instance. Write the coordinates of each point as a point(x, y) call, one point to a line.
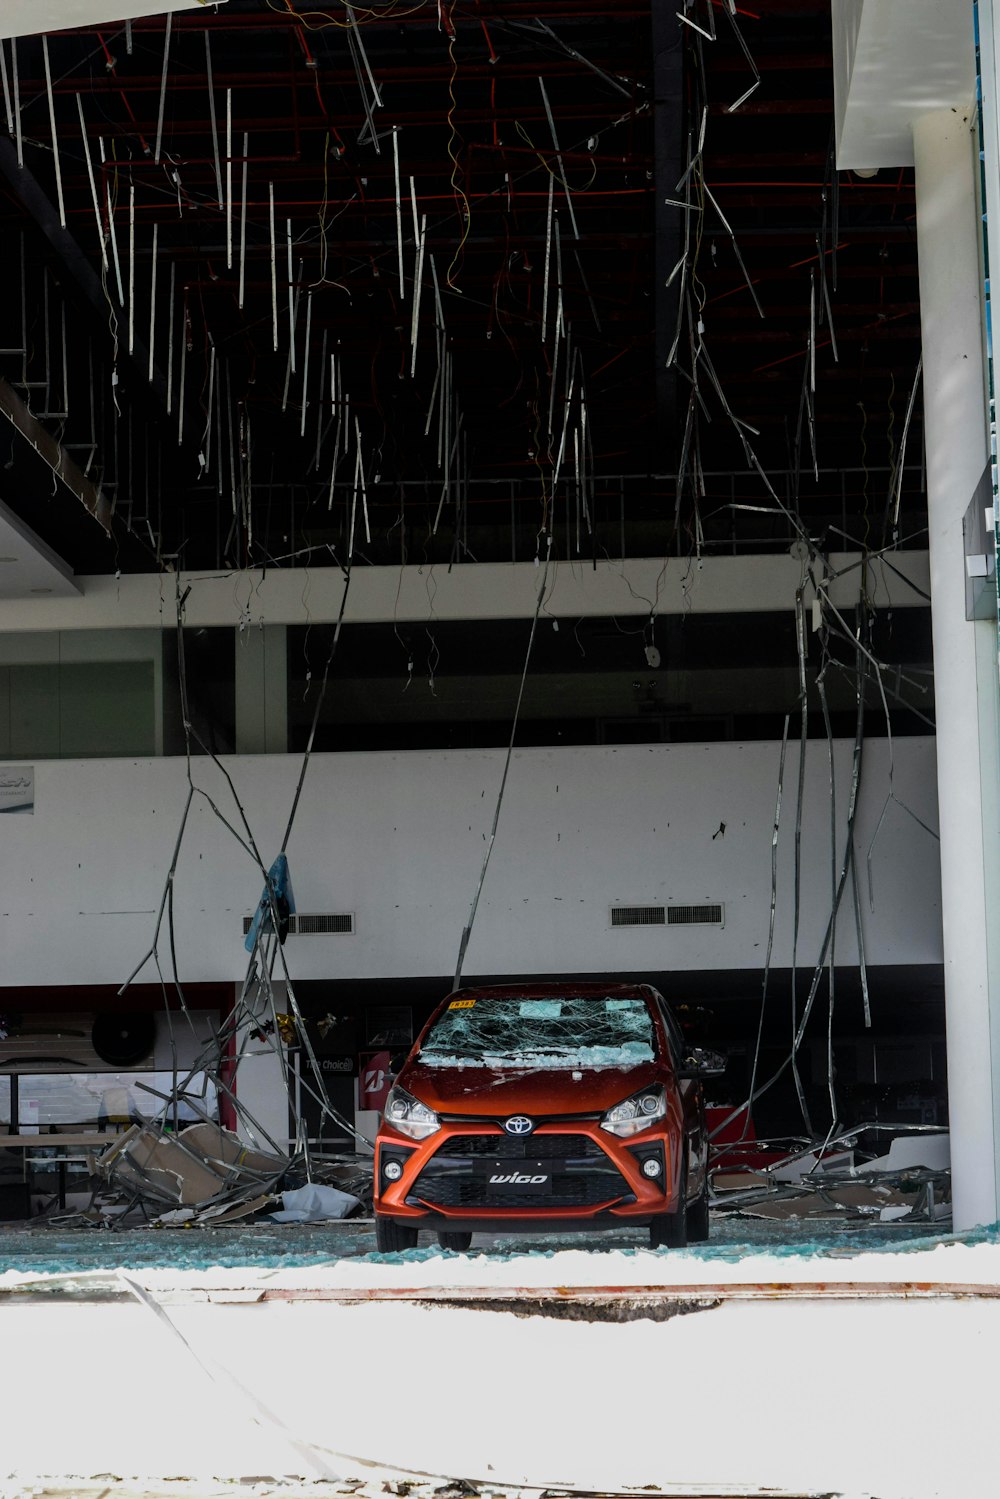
point(669, 1230)
point(393, 1238)
point(697, 1218)
point(457, 1240)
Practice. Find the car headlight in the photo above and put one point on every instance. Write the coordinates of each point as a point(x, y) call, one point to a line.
point(409, 1115)
point(636, 1113)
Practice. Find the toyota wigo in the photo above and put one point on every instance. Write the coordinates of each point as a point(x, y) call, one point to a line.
point(545, 1107)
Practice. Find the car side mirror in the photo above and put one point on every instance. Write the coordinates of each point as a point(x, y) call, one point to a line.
point(396, 1063)
point(699, 1062)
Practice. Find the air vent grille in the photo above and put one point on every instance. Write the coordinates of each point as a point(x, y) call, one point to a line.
point(695, 916)
point(316, 923)
point(702, 915)
point(638, 916)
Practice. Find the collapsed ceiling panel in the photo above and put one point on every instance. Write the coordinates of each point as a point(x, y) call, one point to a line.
point(28, 17)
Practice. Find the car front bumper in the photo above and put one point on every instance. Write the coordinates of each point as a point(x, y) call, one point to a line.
point(473, 1176)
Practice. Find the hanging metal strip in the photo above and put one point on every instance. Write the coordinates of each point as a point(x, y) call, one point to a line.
point(214, 122)
point(163, 86)
point(93, 184)
point(52, 128)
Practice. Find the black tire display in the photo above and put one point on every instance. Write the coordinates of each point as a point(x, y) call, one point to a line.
point(123, 1040)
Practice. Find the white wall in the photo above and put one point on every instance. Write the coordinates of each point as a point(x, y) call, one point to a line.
point(398, 839)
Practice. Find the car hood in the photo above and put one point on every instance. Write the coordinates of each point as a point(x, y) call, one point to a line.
point(494, 1092)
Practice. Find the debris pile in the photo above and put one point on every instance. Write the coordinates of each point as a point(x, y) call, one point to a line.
point(190, 1171)
point(910, 1183)
point(204, 1176)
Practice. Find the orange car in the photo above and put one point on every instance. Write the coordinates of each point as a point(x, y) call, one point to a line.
point(549, 1107)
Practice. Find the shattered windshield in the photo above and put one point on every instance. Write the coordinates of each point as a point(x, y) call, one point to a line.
point(564, 1031)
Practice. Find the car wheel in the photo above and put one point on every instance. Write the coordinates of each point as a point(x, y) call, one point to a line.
point(393, 1238)
point(455, 1240)
point(669, 1230)
point(697, 1218)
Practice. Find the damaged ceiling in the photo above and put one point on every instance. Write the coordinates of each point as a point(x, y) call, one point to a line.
point(462, 273)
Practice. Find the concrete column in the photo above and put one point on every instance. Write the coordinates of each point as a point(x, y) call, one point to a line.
point(968, 754)
point(261, 691)
point(260, 1081)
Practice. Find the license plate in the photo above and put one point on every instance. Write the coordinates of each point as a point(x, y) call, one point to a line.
point(518, 1176)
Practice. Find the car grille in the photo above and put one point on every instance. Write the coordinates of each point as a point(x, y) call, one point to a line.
point(519, 1148)
point(583, 1177)
point(568, 1191)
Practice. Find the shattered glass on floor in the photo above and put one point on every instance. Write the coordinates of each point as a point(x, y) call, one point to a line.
point(44, 1250)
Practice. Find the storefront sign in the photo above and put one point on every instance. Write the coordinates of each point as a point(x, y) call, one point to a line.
point(17, 788)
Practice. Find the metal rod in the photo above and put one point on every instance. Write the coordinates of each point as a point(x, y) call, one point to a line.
point(319, 401)
point(114, 247)
point(207, 435)
point(356, 30)
point(418, 285)
point(17, 102)
point(290, 362)
point(180, 394)
point(243, 219)
point(364, 486)
point(334, 463)
point(91, 180)
point(131, 267)
point(292, 300)
point(152, 302)
point(170, 339)
point(52, 127)
point(163, 86)
point(229, 178)
point(548, 257)
point(305, 363)
point(438, 309)
point(399, 208)
point(555, 142)
point(274, 270)
point(211, 112)
point(413, 205)
point(8, 107)
point(65, 358)
point(232, 442)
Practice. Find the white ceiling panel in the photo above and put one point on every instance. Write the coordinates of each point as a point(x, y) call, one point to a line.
point(29, 568)
point(894, 60)
point(31, 17)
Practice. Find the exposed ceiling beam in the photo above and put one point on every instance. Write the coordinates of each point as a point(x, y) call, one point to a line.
point(54, 454)
point(721, 585)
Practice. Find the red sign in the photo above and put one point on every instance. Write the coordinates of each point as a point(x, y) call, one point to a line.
point(375, 1081)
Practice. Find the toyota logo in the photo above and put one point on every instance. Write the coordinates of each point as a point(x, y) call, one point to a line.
point(519, 1125)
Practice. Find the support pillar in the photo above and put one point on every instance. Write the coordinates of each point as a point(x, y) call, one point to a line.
point(262, 691)
point(260, 1081)
point(965, 652)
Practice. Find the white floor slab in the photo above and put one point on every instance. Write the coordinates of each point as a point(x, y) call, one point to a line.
point(889, 1395)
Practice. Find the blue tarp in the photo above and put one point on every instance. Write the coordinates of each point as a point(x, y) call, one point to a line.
point(279, 891)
